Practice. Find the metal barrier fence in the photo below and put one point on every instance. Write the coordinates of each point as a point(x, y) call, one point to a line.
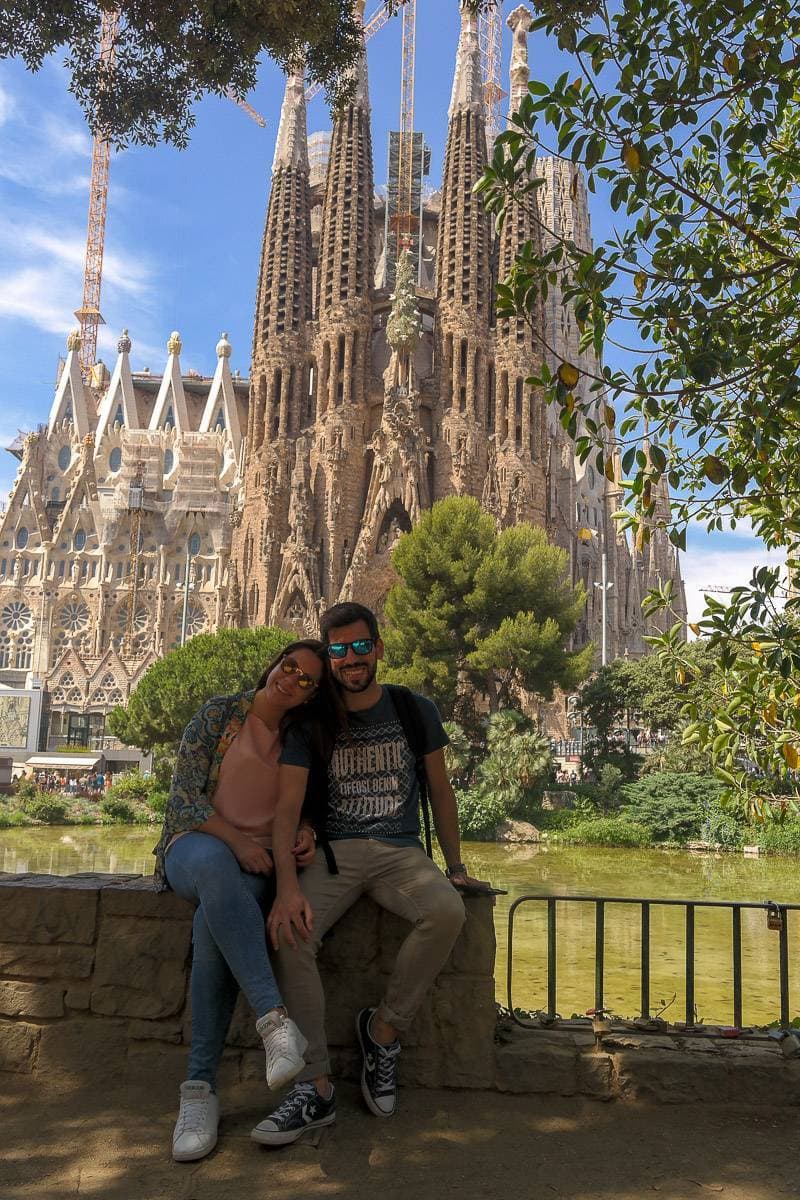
point(777, 919)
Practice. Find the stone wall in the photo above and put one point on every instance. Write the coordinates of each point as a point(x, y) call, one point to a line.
point(94, 972)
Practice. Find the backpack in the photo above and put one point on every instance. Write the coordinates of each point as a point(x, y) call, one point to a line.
point(316, 801)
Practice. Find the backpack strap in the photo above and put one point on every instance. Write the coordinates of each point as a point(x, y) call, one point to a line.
point(408, 713)
point(315, 808)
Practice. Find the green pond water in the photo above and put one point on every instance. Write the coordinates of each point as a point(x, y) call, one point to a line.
point(569, 871)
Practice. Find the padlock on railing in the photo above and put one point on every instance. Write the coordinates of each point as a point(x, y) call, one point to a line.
point(774, 916)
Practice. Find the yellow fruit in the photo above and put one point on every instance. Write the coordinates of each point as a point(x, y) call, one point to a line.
point(770, 714)
point(640, 282)
point(791, 754)
point(756, 647)
point(568, 374)
point(695, 628)
point(631, 157)
point(680, 675)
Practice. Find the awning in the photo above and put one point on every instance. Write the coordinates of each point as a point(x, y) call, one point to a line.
point(71, 762)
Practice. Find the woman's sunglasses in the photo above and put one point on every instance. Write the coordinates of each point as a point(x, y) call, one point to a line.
point(304, 681)
point(360, 647)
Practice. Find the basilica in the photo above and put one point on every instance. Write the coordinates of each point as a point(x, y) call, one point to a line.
point(152, 507)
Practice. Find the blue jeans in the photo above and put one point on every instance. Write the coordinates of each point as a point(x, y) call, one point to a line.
point(229, 942)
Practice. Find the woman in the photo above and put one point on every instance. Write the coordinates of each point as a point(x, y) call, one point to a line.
point(214, 851)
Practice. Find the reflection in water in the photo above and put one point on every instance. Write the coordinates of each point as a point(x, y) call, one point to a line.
point(572, 870)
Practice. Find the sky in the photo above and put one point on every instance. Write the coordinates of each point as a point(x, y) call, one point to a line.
point(184, 230)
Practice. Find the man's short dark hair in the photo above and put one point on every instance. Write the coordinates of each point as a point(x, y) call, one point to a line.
point(347, 614)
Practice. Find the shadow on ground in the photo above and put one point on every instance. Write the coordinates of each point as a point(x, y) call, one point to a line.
point(112, 1143)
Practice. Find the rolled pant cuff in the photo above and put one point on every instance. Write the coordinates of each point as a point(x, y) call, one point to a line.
point(393, 1018)
point(314, 1070)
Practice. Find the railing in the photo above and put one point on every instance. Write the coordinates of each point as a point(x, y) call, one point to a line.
point(777, 919)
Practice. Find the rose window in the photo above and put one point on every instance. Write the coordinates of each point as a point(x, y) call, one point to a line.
point(195, 620)
point(74, 616)
point(140, 618)
point(16, 615)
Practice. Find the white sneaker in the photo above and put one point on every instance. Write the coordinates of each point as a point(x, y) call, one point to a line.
point(195, 1133)
point(284, 1046)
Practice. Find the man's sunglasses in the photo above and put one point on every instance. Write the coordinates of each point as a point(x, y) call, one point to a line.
point(304, 681)
point(360, 647)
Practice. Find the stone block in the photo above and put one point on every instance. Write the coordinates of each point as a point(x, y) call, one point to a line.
point(474, 951)
point(46, 962)
point(78, 997)
point(634, 1041)
point(158, 1031)
point(163, 1065)
point(40, 912)
point(684, 1077)
point(527, 1066)
point(346, 992)
point(19, 999)
point(86, 1048)
point(596, 1075)
point(137, 898)
point(140, 968)
point(18, 1043)
point(464, 1020)
point(354, 940)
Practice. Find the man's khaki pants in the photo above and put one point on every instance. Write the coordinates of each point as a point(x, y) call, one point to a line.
point(401, 879)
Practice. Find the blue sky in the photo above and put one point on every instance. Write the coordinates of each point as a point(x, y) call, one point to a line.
point(184, 231)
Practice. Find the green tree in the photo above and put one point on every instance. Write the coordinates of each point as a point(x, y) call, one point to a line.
point(174, 688)
point(673, 807)
point(167, 56)
point(481, 612)
point(505, 783)
point(688, 115)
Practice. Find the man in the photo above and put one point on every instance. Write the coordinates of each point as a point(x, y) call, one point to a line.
point(373, 829)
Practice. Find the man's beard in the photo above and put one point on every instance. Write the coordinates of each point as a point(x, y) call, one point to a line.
point(361, 686)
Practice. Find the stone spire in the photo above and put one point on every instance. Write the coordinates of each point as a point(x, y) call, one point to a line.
point(464, 279)
point(520, 415)
point(291, 146)
point(69, 402)
point(520, 22)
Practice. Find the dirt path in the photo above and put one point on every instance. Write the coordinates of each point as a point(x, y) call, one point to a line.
point(114, 1145)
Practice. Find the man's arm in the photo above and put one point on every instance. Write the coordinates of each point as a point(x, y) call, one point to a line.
point(445, 817)
point(291, 911)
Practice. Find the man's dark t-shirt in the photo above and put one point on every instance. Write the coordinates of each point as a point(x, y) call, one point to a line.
point(372, 782)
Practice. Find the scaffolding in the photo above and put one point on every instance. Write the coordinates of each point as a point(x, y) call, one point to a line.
point(490, 40)
point(403, 219)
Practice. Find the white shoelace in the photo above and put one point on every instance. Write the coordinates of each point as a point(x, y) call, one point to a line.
point(299, 1092)
point(386, 1066)
point(276, 1043)
point(192, 1116)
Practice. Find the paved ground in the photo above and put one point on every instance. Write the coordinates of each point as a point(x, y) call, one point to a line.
point(114, 1145)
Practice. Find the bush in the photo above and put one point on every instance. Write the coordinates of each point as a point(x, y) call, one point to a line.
point(673, 807)
point(10, 817)
point(132, 786)
point(26, 789)
point(779, 837)
point(42, 807)
point(479, 813)
point(118, 810)
point(157, 802)
point(724, 827)
point(608, 831)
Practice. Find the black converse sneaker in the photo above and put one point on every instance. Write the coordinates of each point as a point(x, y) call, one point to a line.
point(301, 1109)
point(379, 1070)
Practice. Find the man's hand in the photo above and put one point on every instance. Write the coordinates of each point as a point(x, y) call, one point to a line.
point(305, 846)
point(467, 883)
point(291, 912)
point(252, 857)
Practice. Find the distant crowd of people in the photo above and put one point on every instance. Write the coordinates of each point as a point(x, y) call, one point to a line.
point(92, 786)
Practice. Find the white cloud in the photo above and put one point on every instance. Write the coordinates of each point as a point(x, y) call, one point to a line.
point(6, 105)
point(724, 564)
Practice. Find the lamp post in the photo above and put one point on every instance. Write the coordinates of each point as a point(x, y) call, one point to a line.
point(585, 535)
point(192, 548)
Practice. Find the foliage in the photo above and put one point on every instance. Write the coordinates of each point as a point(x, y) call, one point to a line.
point(459, 754)
point(615, 753)
point(672, 807)
point(45, 808)
point(779, 837)
point(10, 817)
point(504, 785)
point(26, 788)
point(676, 757)
point(480, 610)
point(174, 688)
point(132, 786)
point(479, 813)
point(157, 802)
point(688, 115)
point(608, 831)
point(118, 810)
point(607, 789)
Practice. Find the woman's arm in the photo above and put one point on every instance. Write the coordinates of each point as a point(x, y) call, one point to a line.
point(291, 911)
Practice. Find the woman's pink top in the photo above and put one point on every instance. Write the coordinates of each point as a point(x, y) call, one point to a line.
point(247, 790)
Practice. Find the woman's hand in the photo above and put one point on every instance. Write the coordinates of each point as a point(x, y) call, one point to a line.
point(305, 846)
point(291, 911)
point(252, 857)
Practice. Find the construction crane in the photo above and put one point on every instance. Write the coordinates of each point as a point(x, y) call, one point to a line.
point(89, 312)
point(371, 26)
point(490, 40)
point(135, 507)
point(405, 174)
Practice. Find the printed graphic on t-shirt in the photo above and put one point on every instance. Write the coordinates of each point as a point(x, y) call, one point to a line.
point(372, 782)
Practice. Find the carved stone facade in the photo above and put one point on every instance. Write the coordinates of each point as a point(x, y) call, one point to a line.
point(370, 428)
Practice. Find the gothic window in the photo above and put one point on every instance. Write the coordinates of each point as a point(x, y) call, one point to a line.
point(115, 459)
point(115, 696)
point(119, 418)
point(22, 537)
point(64, 457)
point(220, 421)
point(75, 696)
point(79, 540)
point(74, 616)
point(141, 618)
point(24, 652)
point(15, 616)
point(296, 612)
point(5, 650)
point(169, 419)
point(195, 620)
point(169, 461)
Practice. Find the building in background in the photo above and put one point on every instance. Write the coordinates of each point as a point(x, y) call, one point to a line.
point(154, 507)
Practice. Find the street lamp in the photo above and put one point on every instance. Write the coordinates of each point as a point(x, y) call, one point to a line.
point(192, 549)
point(585, 535)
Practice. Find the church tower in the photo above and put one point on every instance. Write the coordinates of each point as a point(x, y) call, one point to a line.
point(464, 282)
point(282, 371)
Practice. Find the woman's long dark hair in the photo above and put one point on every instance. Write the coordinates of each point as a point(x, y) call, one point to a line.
point(323, 715)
